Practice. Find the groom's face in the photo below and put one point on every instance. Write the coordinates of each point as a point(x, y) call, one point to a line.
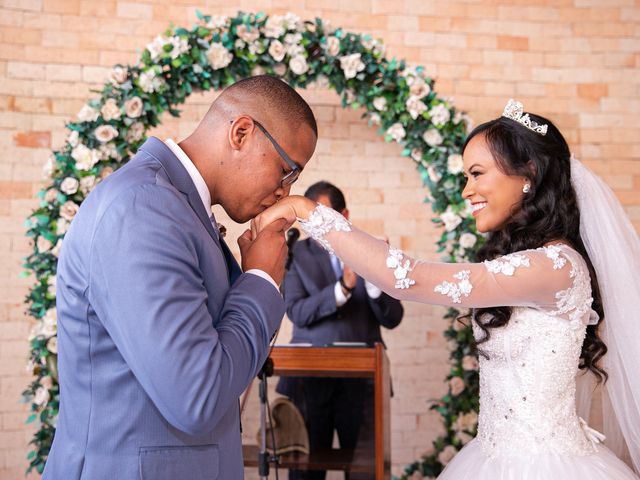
point(259, 169)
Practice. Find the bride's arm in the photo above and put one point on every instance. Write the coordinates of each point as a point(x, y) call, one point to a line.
point(530, 278)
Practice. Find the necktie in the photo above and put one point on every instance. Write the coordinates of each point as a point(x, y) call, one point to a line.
point(337, 268)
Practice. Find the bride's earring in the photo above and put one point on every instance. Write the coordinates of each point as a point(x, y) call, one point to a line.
point(526, 188)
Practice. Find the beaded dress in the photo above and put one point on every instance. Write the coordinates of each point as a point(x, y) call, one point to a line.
point(528, 428)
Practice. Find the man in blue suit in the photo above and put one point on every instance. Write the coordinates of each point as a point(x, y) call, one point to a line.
point(328, 303)
point(159, 328)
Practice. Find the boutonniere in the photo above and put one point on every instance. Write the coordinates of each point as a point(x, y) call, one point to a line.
point(222, 230)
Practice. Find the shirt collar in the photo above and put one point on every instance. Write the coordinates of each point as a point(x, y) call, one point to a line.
point(193, 172)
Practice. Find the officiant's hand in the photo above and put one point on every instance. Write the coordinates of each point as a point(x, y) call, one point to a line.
point(267, 250)
point(289, 208)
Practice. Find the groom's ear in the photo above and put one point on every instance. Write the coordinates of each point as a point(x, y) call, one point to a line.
point(239, 131)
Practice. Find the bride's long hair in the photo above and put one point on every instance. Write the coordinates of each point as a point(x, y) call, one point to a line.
point(549, 212)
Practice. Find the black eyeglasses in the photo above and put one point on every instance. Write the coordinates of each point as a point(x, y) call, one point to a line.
point(291, 176)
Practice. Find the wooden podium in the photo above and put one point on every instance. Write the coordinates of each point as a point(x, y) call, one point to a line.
point(339, 362)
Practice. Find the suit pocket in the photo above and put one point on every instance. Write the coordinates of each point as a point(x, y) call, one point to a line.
point(198, 462)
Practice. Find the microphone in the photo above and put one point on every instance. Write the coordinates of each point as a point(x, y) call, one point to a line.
point(293, 234)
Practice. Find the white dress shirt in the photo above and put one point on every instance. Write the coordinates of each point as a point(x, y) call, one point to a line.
point(205, 196)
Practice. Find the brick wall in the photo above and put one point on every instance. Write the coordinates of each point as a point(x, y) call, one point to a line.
point(575, 61)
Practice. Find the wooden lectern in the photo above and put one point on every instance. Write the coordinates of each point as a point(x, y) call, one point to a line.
point(339, 362)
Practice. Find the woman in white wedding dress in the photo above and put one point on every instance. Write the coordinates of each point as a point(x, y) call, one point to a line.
point(543, 292)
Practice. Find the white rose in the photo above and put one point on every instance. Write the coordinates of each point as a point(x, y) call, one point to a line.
point(61, 226)
point(467, 240)
point(280, 69)
point(52, 283)
point(457, 385)
point(87, 184)
point(219, 57)
point(434, 175)
point(415, 107)
point(135, 132)
point(298, 65)
point(42, 396)
point(351, 65)
point(50, 195)
point(380, 103)
point(451, 220)
point(68, 210)
point(52, 345)
point(454, 164)
point(333, 46)
point(118, 75)
point(419, 87)
point(257, 70)
point(466, 421)
point(46, 381)
point(43, 244)
point(73, 137)
point(133, 107)
point(292, 39)
point(374, 119)
point(49, 167)
point(277, 50)
point(109, 151)
point(69, 185)
point(88, 114)
point(440, 115)
point(56, 250)
point(85, 157)
point(445, 456)
point(432, 137)
point(256, 48)
point(469, 362)
point(274, 26)
point(105, 133)
point(150, 82)
point(291, 21)
point(416, 154)
point(110, 110)
point(396, 131)
point(247, 35)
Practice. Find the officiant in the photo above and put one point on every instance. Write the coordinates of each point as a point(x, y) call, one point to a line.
point(329, 304)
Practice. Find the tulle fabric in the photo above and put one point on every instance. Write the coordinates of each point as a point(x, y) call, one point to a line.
point(471, 463)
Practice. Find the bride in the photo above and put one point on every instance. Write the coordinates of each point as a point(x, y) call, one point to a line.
point(555, 292)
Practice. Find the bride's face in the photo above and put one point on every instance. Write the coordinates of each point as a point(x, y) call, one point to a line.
point(493, 195)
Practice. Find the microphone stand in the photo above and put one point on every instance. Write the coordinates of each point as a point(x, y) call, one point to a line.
point(263, 456)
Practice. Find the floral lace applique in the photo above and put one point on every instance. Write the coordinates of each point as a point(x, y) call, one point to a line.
point(401, 266)
point(507, 265)
point(456, 290)
point(553, 252)
point(321, 221)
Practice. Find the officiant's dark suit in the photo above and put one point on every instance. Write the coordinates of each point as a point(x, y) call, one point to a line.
point(322, 312)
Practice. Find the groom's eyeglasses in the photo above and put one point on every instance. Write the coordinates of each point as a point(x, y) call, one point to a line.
point(291, 176)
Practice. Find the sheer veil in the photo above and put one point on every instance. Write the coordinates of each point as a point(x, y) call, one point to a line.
point(614, 249)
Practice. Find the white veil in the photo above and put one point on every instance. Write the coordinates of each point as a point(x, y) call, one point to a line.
point(614, 249)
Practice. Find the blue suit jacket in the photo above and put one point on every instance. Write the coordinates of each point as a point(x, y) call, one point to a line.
point(159, 332)
point(311, 303)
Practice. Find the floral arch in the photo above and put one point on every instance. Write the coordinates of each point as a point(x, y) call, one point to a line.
point(214, 53)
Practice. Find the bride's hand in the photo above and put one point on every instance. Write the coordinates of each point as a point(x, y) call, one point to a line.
point(290, 208)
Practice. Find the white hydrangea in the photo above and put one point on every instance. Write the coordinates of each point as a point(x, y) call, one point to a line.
point(440, 114)
point(149, 81)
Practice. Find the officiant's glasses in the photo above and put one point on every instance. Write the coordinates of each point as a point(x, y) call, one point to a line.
point(291, 176)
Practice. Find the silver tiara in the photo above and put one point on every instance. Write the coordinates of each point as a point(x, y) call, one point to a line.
point(515, 111)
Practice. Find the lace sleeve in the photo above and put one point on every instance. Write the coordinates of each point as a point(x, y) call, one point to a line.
point(552, 278)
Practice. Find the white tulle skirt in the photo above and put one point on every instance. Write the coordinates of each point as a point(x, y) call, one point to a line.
point(471, 463)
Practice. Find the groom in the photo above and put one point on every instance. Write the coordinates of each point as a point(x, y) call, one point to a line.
point(159, 328)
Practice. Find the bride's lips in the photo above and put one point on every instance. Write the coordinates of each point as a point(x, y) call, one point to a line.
point(476, 208)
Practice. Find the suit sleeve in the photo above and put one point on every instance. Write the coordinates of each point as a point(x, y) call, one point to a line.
point(147, 288)
point(387, 310)
point(304, 308)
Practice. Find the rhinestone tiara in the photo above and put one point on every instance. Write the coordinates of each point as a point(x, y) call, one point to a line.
point(515, 111)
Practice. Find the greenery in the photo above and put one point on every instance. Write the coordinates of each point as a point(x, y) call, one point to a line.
point(217, 51)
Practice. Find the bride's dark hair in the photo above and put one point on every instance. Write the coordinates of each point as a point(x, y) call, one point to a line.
point(549, 212)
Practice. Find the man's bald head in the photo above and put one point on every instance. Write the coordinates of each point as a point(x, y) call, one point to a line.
point(266, 98)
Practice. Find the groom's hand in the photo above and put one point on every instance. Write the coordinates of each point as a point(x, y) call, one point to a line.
point(267, 251)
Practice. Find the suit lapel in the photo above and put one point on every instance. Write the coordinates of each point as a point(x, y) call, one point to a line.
point(180, 179)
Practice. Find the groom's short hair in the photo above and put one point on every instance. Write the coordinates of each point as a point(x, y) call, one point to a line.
point(278, 96)
point(336, 197)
